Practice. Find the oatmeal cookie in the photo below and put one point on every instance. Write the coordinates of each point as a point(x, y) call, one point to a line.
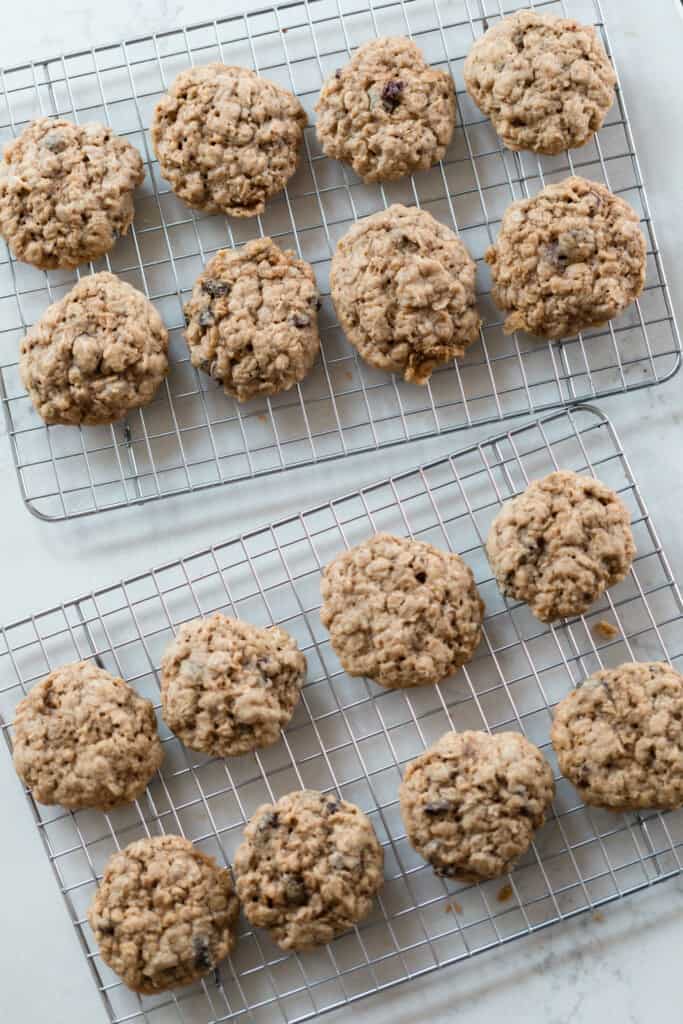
point(164, 914)
point(545, 82)
point(95, 354)
point(228, 687)
point(570, 258)
point(226, 139)
point(83, 738)
point(252, 321)
point(387, 113)
point(403, 287)
point(308, 868)
point(472, 802)
point(619, 737)
point(401, 611)
point(66, 192)
point(560, 544)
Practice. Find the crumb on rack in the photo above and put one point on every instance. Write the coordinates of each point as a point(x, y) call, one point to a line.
point(606, 629)
point(348, 375)
point(504, 893)
point(262, 417)
point(598, 916)
point(453, 908)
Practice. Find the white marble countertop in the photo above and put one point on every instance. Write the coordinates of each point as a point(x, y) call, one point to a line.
point(622, 964)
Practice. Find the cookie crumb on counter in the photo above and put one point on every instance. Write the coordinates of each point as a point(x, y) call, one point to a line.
point(453, 907)
point(605, 629)
point(504, 893)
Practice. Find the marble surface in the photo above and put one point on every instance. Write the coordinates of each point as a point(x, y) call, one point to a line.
point(620, 964)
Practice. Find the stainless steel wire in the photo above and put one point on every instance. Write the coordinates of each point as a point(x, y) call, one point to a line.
point(192, 436)
point(353, 738)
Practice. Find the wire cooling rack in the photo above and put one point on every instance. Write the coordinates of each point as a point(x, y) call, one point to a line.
point(192, 436)
point(353, 738)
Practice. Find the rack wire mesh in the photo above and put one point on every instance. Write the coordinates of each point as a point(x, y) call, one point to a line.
point(192, 436)
point(351, 737)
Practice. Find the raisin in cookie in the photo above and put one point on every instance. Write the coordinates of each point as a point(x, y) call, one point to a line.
point(560, 544)
point(400, 611)
point(228, 687)
point(95, 354)
point(308, 868)
point(545, 82)
point(83, 738)
point(472, 802)
point(164, 914)
point(66, 192)
point(387, 113)
point(226, 139)
point(252, 321)
point(619, 737)
point(570, 258)
point(403, 287)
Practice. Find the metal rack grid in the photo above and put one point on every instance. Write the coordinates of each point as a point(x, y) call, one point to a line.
point(352, 737)
point(192, 436)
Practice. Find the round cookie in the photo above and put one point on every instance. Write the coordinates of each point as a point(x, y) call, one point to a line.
point(252, 320)
point(308, 868)
point(95, 354)
point(472, 802)
point(66, 192)
point(403, 287)
point(226, 139)
point(570, 258)
point(560, 544)
point(164, 914)
point(387, 113)
point(228, 687)
point(401, 611)
point(84, 738)
point(619, 737)
point(545, 82)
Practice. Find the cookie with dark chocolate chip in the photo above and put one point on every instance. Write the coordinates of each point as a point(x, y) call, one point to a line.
point(403, 286)
point(387, 113)
point(228, 687)
point(66, 192)
point(226, 139)
point(560, 544)
point(84, 738)
point(401, 611)
point(308, 868)
point(619, 737)
point(568, 259)
point(164, 914)
point(252, 320)
point(472, 802)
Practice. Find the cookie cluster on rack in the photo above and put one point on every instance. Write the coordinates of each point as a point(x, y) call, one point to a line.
point(402, 283)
